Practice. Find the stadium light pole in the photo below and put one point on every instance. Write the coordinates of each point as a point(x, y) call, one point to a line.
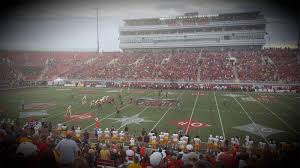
point(98, 43)
point(298, 38)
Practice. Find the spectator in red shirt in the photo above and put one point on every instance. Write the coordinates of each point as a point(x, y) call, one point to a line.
point(226, 158)
point(41, 145)
point(179, 161)
point(145, 161)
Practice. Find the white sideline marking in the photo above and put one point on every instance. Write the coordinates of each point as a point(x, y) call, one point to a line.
point(191, 115)
point(279, 118)
point(219, 115)
point(165, 113)
point(253, 123)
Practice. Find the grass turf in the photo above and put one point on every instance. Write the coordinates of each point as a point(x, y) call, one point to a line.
point(220, 110)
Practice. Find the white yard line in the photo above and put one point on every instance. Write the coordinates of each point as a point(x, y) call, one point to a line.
point(274, 114)
point(191, 115)
point(253, 123)
point(160, 119)
point(219, 115)
point(165, 113)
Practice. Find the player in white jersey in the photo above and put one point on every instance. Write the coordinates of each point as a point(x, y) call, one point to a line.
point(210, 143)
point(216, 143)
point(182, 144)
point(114, 136)
point(153, 143)
point(100, 134)
point(197, 144)
point(59, 126)
point(132, 142)
point(222, 140)
point(161, 139)
point(77, 132)
point(186, 139)
point(83, 100)
point(166, 138)
point(69, 110)
point(106, 135)
point(174, 141)
point(246, 144)
point(92, 103)
point(36, 129)
point(122, 136)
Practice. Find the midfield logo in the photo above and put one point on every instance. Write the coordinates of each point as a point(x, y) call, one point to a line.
point(258, 129)
point(135, 119)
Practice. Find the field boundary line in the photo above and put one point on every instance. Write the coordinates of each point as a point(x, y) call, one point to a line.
point(219, 114)
point(274, 114)
point(191, 115)
point(253, 123)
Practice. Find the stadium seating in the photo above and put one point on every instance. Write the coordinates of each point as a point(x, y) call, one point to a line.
point(272, 65)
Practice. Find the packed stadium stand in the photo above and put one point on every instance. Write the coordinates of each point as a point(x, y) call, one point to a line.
point(272, 65)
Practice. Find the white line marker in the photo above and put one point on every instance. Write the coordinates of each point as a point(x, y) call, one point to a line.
point(160, 119)
point(219, 115)
point(187, 129)
point(279, 118)
point(253, 123)
point(165, 113)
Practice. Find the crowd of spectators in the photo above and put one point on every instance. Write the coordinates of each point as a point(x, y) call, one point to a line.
point(268, 65)
point(246, 65)
point(39, 144)
point(261, 65)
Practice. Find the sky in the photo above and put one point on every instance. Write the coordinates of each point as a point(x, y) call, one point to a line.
point(70, 25)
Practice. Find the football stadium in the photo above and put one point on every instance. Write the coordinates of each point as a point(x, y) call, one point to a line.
point(186, 90)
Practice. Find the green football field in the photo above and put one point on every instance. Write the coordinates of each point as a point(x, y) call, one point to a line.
point(261, 115)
